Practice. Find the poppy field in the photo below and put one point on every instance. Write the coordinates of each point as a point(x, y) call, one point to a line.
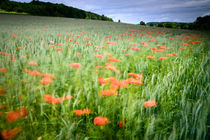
point(63, 78)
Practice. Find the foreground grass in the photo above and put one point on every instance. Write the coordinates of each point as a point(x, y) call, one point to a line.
point(179, 84)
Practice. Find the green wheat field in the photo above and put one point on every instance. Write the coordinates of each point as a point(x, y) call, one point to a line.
point(76, 79)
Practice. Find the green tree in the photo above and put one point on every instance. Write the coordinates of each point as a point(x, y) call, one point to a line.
point(142, 23)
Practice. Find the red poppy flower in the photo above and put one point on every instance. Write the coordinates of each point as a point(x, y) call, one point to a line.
point(150, 103)
point(68, 97)
point(32, 63)
point(138, 76)
point(113, 59)
point(102, 81)
point(100, 121)
point(59, 49)
point(121, 123)
point(12, 116)
point(19, 48)
point(2, 90)
point(99, 67)
point(79, 54)
point(162, 58)
point(10, 133)
point(78, 112)
point(174, 54)
point(86, 111)
point(35, 73)
point(112, 67)
point(127, 54)
point(111, 43)
point(3, 70)
point(82, 112)
point(169, 54)
point(88, 44)
point(197, 42)
point(115, 85)
point(48, 98)
point(75, 65)
point(162, 46)
point(185, 44)
point(22, 112)
point(135, 48)
point(14, 35)
point(51, 45)
point(150, 57)
point(161, 50)
point(135, 81)
point(48, 75)
point(108, 92)
point(98, 55)
point(26, 70)
point(57, 100)
point(46, 81)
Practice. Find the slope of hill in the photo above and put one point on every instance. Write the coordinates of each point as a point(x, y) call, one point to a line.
point(36, 7)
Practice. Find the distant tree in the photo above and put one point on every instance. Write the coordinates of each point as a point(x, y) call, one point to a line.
point(170, 25)
point(119, 20)
point(142, 23)
point(202, 23)
point(103, 17)
point(160, 25)
point(151, 24)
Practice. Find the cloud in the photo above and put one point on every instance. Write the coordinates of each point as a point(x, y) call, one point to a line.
point(122, 17)
point(89, 7)
point(207, 13)
point(181, 4)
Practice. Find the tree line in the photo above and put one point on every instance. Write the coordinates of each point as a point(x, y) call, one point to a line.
point(36, 7)
point(201, 23)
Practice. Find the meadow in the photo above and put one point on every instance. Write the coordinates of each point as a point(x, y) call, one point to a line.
point(63, 78)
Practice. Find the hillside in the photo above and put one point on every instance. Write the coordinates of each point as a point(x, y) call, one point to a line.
point(39, 8)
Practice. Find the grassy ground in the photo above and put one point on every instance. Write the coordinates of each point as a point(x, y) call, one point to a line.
point(170, 69)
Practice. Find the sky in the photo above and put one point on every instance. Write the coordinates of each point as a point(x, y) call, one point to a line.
point(134, 11)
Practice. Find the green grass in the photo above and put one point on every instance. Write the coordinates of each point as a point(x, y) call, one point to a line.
point(179, 84)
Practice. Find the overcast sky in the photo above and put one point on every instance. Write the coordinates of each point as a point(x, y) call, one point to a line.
point(134, 11)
